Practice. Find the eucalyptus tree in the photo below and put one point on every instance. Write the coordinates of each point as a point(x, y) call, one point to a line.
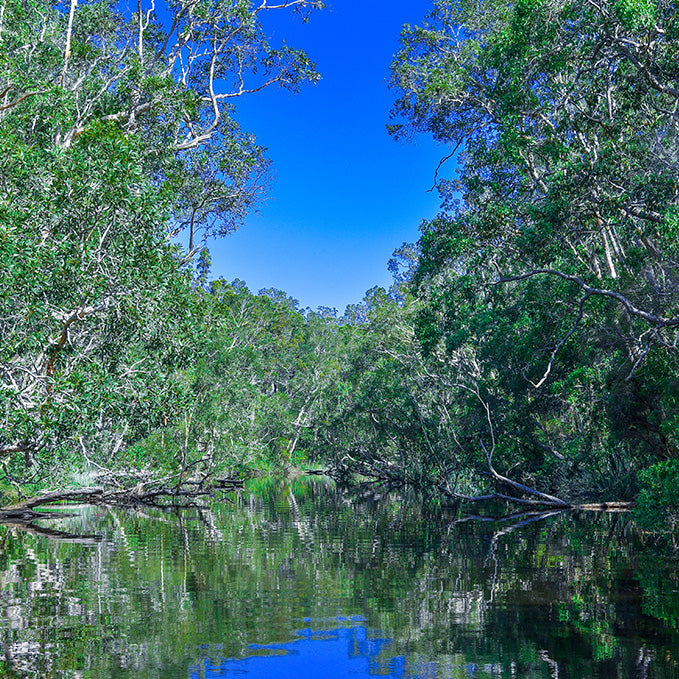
point(117, 137)
point(554, 262)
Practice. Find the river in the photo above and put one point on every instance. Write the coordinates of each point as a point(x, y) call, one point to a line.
point(298, 579)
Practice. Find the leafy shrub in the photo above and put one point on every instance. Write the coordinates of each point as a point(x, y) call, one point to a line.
point(658, 501)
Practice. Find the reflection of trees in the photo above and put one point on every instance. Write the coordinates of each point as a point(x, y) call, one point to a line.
point(162, 591)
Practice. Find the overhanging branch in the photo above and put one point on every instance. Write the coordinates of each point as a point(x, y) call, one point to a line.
point(652, 319)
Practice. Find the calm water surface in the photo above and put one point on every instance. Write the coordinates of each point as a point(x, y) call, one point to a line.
point(299, 580)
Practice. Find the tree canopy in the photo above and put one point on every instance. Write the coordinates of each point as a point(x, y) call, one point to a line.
point(527, 349)
point(550, 279)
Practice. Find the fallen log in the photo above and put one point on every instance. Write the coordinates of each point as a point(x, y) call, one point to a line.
point(87, 495)
point(605, 507)
point(172, 492)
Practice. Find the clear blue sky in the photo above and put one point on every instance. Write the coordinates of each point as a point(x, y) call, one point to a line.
point(344, 193)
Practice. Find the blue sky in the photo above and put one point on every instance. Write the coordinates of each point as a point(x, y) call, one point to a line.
point(344, 193)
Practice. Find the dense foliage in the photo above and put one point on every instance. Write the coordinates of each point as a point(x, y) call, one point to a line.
point(117, 139)
point(528, 343)
point(550, 280)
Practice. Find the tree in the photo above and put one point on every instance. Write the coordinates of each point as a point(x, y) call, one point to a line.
point(554, 262)
point(117, 137)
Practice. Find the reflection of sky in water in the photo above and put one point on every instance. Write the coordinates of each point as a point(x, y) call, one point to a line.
point(345, 652)
point(349, 651)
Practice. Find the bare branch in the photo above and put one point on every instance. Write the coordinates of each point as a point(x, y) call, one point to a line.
point(69, 32)
point(286, 4)
point(561, 343)
point(653, 319)
point(443, 161)
point(651, 78)
point(546, 499)
point(20, 99)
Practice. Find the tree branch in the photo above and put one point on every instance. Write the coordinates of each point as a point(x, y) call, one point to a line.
point(653, 319)
point(69, 33)
point(20, 99)
point(561, 343)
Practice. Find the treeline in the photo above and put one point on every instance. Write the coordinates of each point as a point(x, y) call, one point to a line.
point(547, 290)
point(118, 141)
point(528, 346)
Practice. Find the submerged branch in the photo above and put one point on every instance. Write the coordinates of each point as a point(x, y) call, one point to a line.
point(171, 492)
point(520, 518)
point(51, 533)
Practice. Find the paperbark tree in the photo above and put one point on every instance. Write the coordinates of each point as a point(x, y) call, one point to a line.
point(555, 259)
point(117, 138)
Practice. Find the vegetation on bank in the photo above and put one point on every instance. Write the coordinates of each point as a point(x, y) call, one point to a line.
point(527, 346)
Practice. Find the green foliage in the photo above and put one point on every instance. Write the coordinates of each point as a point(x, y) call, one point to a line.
point(548, 286)
point(636, 14)
point(658, 500)
point(110, 153)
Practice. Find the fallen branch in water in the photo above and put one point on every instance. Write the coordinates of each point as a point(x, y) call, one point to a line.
point(538, 498)
point(605, 507)
point(520, 518)
point(51, 534)
point(85, 495)
point(174, 491)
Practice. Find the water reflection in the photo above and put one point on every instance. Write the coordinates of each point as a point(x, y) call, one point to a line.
point(377, 588)
point(336, 654)
point(328, 653)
